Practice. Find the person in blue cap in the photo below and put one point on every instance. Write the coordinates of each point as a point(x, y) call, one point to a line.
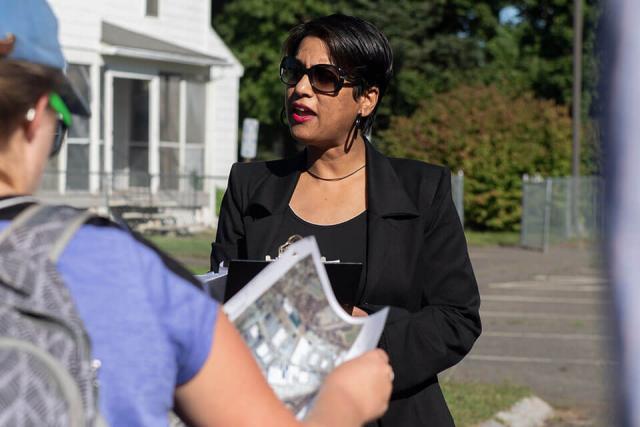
point(162, 342)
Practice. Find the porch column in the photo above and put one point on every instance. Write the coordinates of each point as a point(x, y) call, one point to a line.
point(183, 180)
point(62, 169)
point(94, 130)
point(154, 134)
point(108, 124)
point(107, 149)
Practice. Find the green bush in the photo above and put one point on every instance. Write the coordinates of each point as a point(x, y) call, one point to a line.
point(495, 138)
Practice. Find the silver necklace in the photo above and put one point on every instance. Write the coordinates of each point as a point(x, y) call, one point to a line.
point(335, 179)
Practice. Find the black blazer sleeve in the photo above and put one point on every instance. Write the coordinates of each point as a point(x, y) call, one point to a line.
point(422, 344)
point(230, 237)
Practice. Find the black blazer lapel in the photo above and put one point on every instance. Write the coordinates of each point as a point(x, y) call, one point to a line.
point(387, 201)
point(268, 202)
point(379, 231)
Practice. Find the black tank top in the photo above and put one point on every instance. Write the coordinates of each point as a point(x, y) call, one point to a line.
point(345, 242)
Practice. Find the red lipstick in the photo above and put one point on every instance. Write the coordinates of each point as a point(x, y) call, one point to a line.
point(301, 118)
point(301, 113)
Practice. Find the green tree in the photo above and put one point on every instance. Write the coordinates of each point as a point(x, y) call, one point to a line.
point(546, 46)
point(435, 43)
point(438, 45)
point(492, 136)
point(255, 31)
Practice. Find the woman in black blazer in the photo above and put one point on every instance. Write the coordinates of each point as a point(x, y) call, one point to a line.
point(394, 215)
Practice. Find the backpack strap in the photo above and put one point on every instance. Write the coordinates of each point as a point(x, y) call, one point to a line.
point(72, 226)
point(40, 234)
point(30, 282)
point(12, 201)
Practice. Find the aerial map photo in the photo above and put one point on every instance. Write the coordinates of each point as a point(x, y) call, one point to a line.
point(295, 335)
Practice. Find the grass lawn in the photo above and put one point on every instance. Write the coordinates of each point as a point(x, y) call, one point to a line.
point(492, 238)
point(192, 251)
point(198, 245)
point(472, 403)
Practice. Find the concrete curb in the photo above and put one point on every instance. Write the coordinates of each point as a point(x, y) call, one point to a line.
point(527, 412)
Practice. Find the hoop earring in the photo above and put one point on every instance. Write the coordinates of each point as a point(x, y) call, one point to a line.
point(353, 134)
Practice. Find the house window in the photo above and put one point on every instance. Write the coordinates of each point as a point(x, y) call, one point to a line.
point(78, 149)
point(182, 127)
point(169, 108)
point(196, 113)
point(169, 167)
point(151, 8)
point(196, 103)
point(50, 178)
point(169, 131)
point(139, 133)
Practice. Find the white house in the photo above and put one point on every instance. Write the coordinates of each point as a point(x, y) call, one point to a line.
point(163, 90)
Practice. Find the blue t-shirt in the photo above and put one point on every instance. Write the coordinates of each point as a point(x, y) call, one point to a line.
point(150, 328)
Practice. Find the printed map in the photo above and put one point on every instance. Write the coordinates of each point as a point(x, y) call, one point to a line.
point(295, 335)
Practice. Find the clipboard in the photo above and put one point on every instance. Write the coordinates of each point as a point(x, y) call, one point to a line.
point(344, 278)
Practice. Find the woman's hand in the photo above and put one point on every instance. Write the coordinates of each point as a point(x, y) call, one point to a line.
point(355, 392)
point(358, 312)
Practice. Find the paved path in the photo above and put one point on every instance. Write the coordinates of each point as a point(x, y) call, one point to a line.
point(545, 326)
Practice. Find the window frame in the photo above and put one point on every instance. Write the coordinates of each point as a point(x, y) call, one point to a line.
point(187, 145)
point(181, 144)
point(74, 140)
point(146, 9)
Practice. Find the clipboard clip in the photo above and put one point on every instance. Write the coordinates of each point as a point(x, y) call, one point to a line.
point(291, 240)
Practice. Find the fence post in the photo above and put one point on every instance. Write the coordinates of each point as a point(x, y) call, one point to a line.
point(578, 227)
point(599, 187)
point(460, 196)
point(569, 232)
point(523, 219)
point(547, 214)
point(194, 194)
point(106, 188)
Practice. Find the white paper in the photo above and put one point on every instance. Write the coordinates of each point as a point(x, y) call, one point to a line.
point(295, 327)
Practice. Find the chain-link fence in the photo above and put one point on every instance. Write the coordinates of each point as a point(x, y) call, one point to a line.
point(146, 202)
point(457, 192)
point(560, 209)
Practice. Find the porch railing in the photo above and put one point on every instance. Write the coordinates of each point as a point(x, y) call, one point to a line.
point(140, 198)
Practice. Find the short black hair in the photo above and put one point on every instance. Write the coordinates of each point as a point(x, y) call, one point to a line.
point(356, 46)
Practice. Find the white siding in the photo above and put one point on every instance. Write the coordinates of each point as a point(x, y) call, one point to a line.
point(182, 22)
point(79, 23)
point(215, 44)
point(222, 124)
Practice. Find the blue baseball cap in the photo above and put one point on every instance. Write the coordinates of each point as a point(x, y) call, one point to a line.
point(31, 27)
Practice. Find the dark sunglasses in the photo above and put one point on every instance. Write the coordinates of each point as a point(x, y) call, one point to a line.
point(59, 138)
point(324, 78)
point(62, 126)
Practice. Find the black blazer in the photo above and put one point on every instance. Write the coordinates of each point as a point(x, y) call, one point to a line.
point(417, 263)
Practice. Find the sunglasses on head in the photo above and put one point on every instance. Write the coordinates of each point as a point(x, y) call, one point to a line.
point(63, 123)
point(324, 78)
